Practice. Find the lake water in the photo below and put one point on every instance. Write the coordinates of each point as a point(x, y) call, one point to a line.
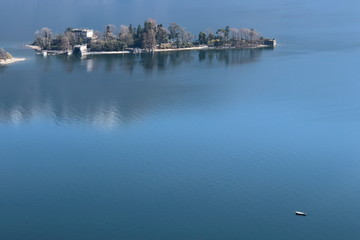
point(199, 145)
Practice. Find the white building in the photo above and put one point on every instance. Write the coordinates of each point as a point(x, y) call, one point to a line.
point(80, 49)
point(82, 33)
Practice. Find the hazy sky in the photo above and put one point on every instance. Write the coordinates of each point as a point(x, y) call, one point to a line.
point(275, 17)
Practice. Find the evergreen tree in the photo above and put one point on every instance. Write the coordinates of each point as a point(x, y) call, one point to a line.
point(202, 38)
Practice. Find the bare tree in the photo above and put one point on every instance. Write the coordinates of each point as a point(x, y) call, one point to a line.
point(235, 34)
point(71, 37)
point(186, 38)
point(43, 38)
point(149, 35)
point(64, 42)
point(221, 33)
point(151, 22)
point(249, 34)
point(162, 35)
point(109, 32)
point(110, 28)
point(180, 36)
point(244, 33)
point(126, 36)
point(149, 40)
point(210, 36)
point(174, 30)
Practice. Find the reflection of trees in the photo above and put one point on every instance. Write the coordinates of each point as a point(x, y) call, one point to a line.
point(156, 61)
point(230, 56)
point(164, 60)
point(104, 90)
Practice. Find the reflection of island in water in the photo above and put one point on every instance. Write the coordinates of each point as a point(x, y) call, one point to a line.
point(109, 90)
point(157, 61)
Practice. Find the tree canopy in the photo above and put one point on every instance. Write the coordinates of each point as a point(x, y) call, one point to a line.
point(148, 37)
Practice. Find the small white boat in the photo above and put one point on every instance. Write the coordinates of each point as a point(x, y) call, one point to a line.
point(300, 213)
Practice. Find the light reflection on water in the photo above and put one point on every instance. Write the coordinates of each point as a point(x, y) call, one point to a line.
point(114, 89)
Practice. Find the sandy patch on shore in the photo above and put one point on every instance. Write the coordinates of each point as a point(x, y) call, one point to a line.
point(33, 47)
point(12, 60)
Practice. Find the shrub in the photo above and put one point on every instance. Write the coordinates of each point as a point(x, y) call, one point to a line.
point(4, 55)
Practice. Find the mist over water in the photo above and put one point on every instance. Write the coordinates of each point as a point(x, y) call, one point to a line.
point(216, 144)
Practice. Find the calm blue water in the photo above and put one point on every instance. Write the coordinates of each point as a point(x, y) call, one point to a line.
point(197, 145)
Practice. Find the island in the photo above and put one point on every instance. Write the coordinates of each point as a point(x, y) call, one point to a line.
point(149, 37)
point(7, 58)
